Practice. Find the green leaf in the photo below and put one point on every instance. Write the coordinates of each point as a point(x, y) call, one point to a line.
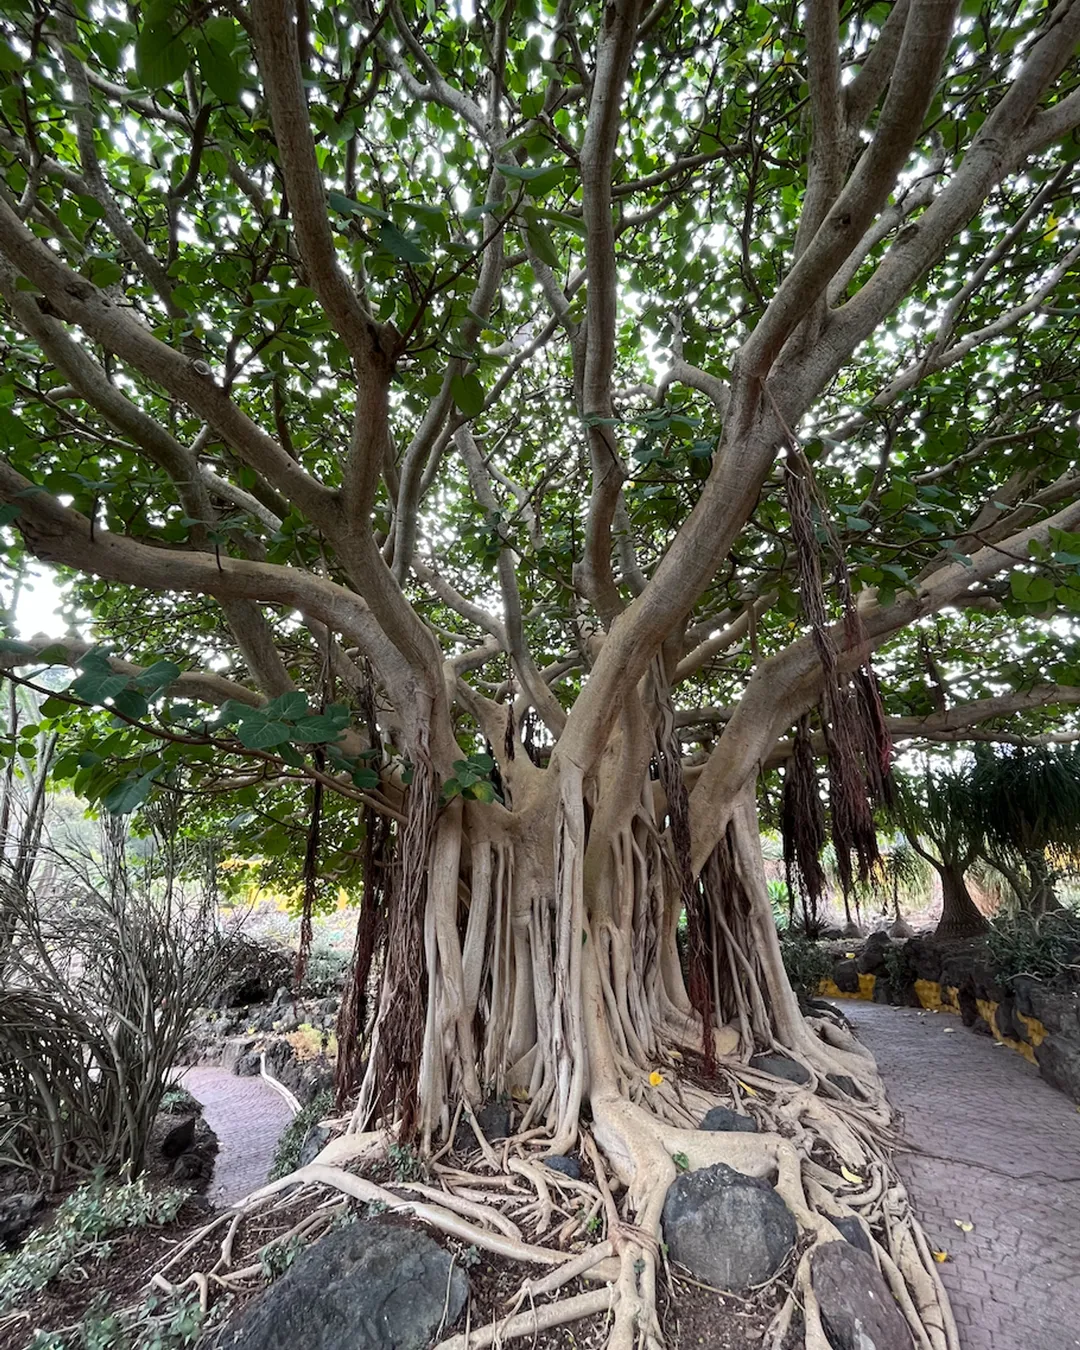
point(55, 707)
point(131, 704)
point(98, 684)
point(220, 70)
point(160, 56)
point(292, 704)
point(102, 271)
point(539, 240)
point(317, 730)
point(532, 175)
point(54, 655)
point(9, 58)
point(9, 511)
point(1032, 590)
point(483, 791)
point(261, 735)
point(468, 394)
point(126, 796)
point(365, 779)
point(158, 676)
point(399, 245)
point(348, 206)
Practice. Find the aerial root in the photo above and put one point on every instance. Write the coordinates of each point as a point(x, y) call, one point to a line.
point(530, 1323)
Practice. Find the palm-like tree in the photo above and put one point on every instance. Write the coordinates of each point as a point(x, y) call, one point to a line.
point(1028, 801)
point(941, 809)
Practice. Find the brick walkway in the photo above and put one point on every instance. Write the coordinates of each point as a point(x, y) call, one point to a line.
point(247, 1116)
point(997, 1146)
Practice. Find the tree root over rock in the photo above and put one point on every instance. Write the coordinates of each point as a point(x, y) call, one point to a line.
point(825, 1160)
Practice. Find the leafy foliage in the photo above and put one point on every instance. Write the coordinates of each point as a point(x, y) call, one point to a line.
point(806, 961)
point(79, 1230)
point(287, 1153)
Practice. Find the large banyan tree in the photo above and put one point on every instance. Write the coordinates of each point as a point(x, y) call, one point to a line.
point(506, 432)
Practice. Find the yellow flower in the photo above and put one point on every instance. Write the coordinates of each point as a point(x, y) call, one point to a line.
point(655, 1079)
point(940, 1256)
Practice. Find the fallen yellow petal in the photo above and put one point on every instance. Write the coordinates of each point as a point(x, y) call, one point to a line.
point(964, 1225)
point(940, 1257)
point(753, 1093)
point(655, 1079)
point(851, 1176)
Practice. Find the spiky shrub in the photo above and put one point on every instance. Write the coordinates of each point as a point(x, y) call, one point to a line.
point(100, 993)
point(1046, 946)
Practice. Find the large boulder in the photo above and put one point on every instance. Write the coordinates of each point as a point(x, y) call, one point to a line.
point(17, 1212)
point(1058, 1010)
point(367, 1286)
point(729, 1230)
point(871, 960)
point(254, 971)
point(857, 1310)
point(781, 1066)
point(723, 1118)
point(1059, 1063)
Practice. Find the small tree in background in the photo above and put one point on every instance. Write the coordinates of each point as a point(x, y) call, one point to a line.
point(940, 808)
point(1028, 803)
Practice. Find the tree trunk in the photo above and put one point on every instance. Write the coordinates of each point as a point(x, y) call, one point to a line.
point(960, 916)
point(550, 980)
point(1042, 897)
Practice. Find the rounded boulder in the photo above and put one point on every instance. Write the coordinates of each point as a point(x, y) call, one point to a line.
point(728, 1230)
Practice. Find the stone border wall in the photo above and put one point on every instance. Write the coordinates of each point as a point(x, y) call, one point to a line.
point(1035, 1019)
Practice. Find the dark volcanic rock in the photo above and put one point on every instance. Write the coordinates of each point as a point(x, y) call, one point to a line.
point(780, 1066)
point(568, 1166)
point(729, 1230)
point(367, 1286)
point(845, 1084)
point(871, 960)
point(17, 1211)
point(179, 1139)
point(1059, 1063)
point(857, 1310)
point(845, 974)
point(723, 1118)
point(853, 1231)
point(493, 1119)
point(316, 1139)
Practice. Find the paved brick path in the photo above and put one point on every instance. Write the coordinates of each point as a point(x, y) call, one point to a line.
point(996, 1145)
point(247, 1116)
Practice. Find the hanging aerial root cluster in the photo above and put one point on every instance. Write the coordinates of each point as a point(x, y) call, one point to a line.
point(857, 746)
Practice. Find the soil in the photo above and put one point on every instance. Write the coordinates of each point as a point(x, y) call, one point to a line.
point(122, 1272)
point(694, 1317)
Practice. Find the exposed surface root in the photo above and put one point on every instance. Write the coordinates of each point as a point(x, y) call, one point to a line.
point(825, 1158)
